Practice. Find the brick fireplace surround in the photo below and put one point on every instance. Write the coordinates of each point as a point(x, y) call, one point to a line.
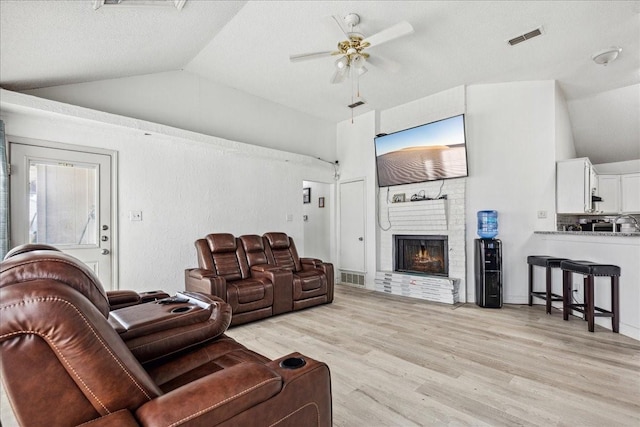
point(426, 217)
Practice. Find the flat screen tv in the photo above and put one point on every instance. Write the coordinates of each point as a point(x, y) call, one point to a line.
point(428, 152)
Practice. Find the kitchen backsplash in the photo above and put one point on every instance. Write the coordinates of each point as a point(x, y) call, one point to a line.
point(577, 222)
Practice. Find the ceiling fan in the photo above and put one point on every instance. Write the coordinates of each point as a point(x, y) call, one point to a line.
point(352, 55)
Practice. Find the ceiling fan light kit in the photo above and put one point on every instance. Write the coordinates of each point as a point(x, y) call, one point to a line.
point(353, 58)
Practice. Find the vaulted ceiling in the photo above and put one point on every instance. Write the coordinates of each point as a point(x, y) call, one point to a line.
point(246, 45)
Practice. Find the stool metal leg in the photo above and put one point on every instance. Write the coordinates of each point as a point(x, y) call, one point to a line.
point(530, 284)
point(615, 304)
point(589, 302)
point(548, 290)
point(566, 293)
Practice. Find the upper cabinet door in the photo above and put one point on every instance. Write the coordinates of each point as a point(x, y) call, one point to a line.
point(573, 186)
point(630, 190)
point(609, 191)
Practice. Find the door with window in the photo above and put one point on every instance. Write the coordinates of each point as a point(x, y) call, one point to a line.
point(62, 197)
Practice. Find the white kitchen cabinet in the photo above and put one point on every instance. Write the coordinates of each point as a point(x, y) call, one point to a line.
point(630, 192)
point(609, 191)
point(575, 183)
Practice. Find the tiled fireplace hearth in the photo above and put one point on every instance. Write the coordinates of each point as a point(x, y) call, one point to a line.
point(433, 232)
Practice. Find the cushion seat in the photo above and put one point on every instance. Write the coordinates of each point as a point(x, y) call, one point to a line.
point(590, 268)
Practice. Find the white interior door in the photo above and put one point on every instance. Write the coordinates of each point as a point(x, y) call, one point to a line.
point(62, 198)
point(352, 244)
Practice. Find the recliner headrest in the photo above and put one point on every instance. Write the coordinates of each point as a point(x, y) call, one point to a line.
point(277, 240)
point(58, 267)
point(221, 242)
point(252, 243)
point(28, 247)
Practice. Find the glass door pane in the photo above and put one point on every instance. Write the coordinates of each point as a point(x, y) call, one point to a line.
point(62, 203)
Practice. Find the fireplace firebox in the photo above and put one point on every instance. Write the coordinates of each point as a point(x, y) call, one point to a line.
point(421, 254)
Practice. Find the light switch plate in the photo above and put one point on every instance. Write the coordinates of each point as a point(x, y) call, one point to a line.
point(289, 217)
point(542, 214)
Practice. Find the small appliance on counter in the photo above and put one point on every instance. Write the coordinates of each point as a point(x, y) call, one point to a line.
point(601, 226)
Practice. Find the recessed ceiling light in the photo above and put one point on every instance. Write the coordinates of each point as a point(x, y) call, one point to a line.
point(606, 56)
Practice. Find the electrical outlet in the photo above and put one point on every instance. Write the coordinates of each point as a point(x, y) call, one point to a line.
point(135, 215)
point(542, 214)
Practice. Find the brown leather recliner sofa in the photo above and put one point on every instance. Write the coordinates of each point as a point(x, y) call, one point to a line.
point(259, 276)
point(117, 299)
point(68, 358)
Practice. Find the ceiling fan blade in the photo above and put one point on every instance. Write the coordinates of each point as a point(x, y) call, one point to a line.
point(339, 21)
point(384, 64)
point(311, 55)
point(400, 29)
point(339, 75)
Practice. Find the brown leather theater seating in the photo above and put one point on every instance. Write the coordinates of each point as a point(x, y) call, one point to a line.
point(69, 357)
point(259, 276)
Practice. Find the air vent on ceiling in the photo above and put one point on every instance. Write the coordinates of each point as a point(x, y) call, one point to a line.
point(356, 104)
point(526, 36)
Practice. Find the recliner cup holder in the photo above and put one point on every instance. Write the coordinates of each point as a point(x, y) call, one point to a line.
point(293, 363)
point(182, 309)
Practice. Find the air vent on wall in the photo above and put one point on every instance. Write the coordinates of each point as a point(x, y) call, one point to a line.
point(526, 36)
point(350, 278)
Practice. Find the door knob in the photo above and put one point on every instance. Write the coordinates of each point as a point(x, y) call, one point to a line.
point(104, 251)
point(105, 227)
point(360, 238)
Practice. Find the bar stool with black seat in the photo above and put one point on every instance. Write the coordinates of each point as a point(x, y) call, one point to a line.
point(548, 263)
point(590, 270)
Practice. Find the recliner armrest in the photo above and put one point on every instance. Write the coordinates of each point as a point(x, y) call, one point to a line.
point(282, 280)
point(205, 281)
point(121, 418)
point(122, 298)
point(200, 273)
point(156, 330)
point(315, 262)
point(327, 269)
point(213, 399)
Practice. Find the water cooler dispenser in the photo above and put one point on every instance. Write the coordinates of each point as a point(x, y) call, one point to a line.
point(488, 261)
point(488, 269)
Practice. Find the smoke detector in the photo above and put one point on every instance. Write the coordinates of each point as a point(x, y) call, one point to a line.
point(605, 56)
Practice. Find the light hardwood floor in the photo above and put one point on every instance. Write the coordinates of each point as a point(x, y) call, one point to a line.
point(397, 361)
point(403, 362)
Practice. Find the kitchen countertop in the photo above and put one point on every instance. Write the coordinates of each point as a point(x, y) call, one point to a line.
point(591, 233)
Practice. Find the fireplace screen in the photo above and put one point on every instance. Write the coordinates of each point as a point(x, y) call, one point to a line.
point(421, 254)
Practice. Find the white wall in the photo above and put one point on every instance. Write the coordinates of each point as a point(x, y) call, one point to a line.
point(511, 135)
point(317, 229)
point(186, 185)
point(357, 159)
point(565, 144)
point(629, 166)
point(512, 154)
point(187, 101)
